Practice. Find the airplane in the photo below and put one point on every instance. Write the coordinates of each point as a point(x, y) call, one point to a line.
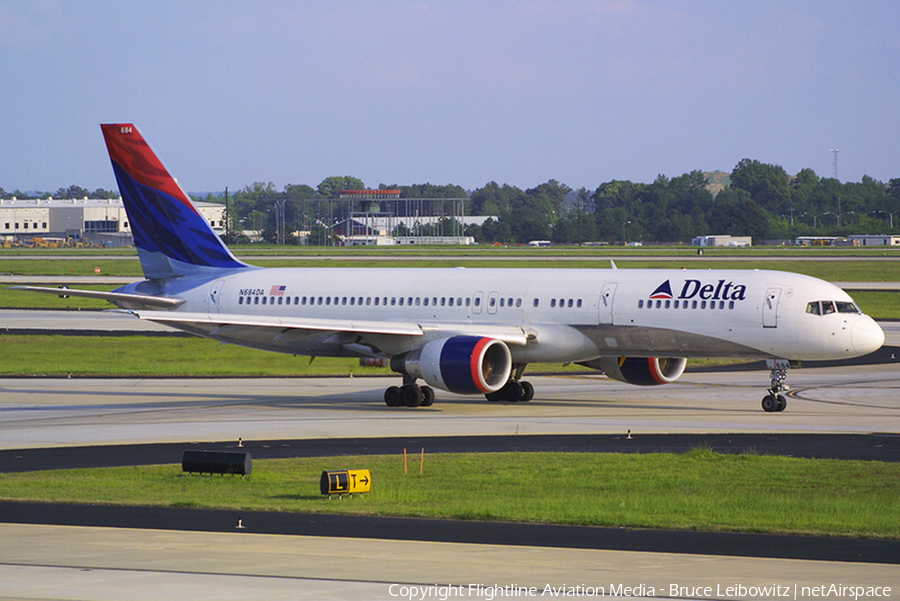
point(468, 331)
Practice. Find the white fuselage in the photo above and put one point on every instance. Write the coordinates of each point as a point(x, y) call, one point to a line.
point(545, 315)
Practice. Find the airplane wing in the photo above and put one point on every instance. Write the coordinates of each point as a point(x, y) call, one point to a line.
point(132, 300)
point(509, 334)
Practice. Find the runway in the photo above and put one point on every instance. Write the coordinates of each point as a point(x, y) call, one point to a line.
point(45, 561)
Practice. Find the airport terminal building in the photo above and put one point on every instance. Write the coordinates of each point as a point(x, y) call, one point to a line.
point(94, 220)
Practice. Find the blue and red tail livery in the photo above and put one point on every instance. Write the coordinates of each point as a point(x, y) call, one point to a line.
point(172, 237)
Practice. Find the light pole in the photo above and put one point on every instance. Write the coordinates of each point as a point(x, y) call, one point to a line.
point(624, 237)
point(889, 214)
point(814, 216)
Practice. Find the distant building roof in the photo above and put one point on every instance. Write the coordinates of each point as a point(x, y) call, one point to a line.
point(369, 194)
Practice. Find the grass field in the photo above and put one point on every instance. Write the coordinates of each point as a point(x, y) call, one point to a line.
point(698, 490)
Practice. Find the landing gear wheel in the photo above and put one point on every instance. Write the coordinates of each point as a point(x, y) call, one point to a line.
point(392, 396)
point(527, 392)
point(769, 403)
point(780, 402)
point(411, 395)
point(512, 392)
point(427, 396)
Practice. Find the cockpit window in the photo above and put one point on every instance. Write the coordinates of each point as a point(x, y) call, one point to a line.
point(827, 307)
point(847, 308)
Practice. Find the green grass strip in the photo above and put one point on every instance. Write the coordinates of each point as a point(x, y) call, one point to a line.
point(700, 490)
point(51, 355)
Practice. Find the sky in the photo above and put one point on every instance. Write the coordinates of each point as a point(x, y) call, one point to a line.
point(463, 92)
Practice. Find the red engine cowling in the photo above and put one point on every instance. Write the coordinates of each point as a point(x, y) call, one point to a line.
point(643, 371)
point(460, 364)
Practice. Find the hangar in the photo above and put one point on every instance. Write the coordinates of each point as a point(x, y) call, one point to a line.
point(96, 220)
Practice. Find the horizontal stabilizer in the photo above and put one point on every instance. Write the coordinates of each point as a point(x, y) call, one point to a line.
point(123, 300)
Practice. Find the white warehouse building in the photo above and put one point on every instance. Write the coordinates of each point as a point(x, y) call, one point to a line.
point(97, 220)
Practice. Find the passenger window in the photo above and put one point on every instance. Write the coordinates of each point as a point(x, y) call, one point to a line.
point(518, 302)
point(641, 304)
point(536, 302)
point(552, 303)
point(668, 303)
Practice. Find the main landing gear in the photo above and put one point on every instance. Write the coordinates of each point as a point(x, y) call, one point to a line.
point(775, 401)
point(409, 395)
point(413, 395)
point(516, 390)
point(513, 391)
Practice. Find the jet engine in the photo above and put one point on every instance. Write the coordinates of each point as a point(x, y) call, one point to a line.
point(643, 371)
point(460, 364)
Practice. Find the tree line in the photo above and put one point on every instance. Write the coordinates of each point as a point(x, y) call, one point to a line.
point(756, 199)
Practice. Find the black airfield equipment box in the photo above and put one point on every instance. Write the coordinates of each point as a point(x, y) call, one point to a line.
point(216, 462)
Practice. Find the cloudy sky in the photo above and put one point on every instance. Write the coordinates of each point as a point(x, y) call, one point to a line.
point(463, 92)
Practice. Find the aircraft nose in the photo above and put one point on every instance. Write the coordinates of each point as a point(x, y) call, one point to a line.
point(866, 336)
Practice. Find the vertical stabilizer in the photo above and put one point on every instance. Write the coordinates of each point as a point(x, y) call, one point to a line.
point(172, 237)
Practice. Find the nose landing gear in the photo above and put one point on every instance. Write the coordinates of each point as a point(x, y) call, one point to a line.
point(775, 401)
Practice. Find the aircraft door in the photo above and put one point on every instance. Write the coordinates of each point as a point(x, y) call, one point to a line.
point(607, 300)
point(770, 308)
point(215, 292)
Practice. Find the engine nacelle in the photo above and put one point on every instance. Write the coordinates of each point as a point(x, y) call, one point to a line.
point(460, 364)
point(643, 371)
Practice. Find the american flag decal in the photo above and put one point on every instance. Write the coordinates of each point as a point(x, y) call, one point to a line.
point(277, 290)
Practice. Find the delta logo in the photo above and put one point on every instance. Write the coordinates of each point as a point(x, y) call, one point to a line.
point(721, 290)
point(663, 291)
